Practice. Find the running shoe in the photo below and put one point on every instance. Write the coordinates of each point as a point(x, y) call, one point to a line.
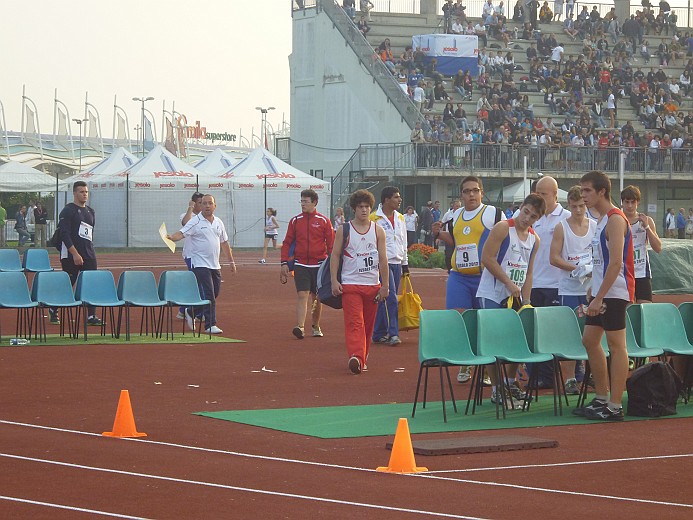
point(515, 390)
point(487, 380)
point(464, 375)
point(261, 261)
point(213, 330)
point(180, 316)
point(383, 340)
point(298, 332)
point(604, 414)
point(509, 401)
point(595, 404)
point(189, 320)
point(572, 387)
point(317, 333)
point(95, 321)
point(53, 317)
point(393, 340)
point(354, 365)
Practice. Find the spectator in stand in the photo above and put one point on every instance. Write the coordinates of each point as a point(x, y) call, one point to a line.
point(349, 7)
point(366, 6)
point(545, 13)
point(419, 96)
point(569, 27)
point(557, 10)
point(363, 26)
point(480, 31)
point(457, 27)
point(448, 12)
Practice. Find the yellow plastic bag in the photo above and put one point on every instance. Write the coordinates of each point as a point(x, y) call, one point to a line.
point(408, 306)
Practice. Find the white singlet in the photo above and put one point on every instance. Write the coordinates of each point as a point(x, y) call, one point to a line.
point(513, 257)
point(268, 223)
point(641, 260)
point(578, 251)
point(361, 262)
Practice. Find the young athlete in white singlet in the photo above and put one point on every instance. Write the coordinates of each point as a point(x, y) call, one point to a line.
point(508, 259)
point(364, 254)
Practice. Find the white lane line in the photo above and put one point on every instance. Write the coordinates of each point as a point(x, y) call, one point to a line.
point(69, 508)
point(367, 470)
point(239, 488)
point(557, 491)
point(561, 464)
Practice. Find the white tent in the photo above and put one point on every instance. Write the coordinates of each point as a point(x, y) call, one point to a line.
point(261, 175)
point(119, 161)
point(218, 161)
point(131, 205)
point(17, 177)
point(516, 193)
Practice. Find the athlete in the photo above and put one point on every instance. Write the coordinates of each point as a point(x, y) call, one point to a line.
point(613, 288)
point(271, 233)
point(644, 232)
point(508, 259)
point(571, 252)
point(466, 233)
point(364, 264)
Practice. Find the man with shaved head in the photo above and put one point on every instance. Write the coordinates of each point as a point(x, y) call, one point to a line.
point(546, 276)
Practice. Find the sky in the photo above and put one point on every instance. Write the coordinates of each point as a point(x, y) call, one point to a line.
point(217, 59)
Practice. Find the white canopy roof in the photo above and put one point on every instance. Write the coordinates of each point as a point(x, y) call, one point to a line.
point(119, 161)
point(250, 173)
point(18, 177)
point(160, 169)
point(516, 192)
point(217, 162)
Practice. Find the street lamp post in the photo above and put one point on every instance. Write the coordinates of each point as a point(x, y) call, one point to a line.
point(143, 100)
point(263, 138)
point(79, 123)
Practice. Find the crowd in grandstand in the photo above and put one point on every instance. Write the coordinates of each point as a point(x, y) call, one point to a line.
point(583, 91)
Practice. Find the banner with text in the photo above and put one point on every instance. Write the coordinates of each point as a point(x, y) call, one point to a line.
point(453, 52)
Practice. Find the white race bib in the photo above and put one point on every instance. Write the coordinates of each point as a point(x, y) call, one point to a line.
point(466, 256)
point(580, 259)
point(596, 256)
point(86, 231)
point(516, 271)
point(368, 262)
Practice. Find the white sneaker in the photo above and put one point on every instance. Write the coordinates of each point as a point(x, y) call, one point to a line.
point(317, 332)
point(213, 330)
point(261, 261)
point(189, 320)
point(180, 316)
point(464, 375)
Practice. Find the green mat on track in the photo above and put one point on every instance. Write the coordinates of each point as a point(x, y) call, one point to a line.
point(96, 339)
point(337, 422)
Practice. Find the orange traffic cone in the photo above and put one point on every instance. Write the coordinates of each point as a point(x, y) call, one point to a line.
point(124, 424)
point(402, 456)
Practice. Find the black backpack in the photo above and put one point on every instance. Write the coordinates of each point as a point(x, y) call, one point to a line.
point(653, 390)
point(324, 283)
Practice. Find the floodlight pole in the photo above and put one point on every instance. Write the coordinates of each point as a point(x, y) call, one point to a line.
point(263, 139)
point(143, 99)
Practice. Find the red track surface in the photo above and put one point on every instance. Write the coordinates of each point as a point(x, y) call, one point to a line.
point(175, 472)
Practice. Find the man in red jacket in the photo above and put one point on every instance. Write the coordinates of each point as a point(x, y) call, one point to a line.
point(311, 235)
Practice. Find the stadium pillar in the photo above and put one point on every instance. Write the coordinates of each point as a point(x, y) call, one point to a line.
point(622, 10)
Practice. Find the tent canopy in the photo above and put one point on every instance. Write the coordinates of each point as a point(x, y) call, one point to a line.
point(218, 161)
point(517, 192)
point(17, 177)
point(251, 172)
point(160, 170)
point(119, 161)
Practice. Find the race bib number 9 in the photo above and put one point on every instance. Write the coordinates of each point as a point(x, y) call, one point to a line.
point(86, 231)
point(466, 256)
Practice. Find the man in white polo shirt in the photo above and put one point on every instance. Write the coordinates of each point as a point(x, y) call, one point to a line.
point(194, 207)
point(205, 236)
point(546, 276)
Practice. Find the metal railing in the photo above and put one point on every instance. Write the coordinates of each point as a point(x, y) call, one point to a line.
point(373, 163)
point(372, 62)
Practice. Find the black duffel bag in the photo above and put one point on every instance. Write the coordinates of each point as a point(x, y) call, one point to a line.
point(653, 390)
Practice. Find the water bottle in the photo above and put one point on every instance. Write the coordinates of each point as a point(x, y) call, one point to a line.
point(17, 342)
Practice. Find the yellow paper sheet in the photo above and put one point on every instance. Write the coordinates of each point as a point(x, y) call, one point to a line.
point(170, 243)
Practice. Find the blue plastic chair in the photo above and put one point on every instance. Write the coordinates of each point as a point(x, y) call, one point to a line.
point(97, 289)
point(138, 289)
point(36, 261)
point(180, 289)
point(15, 295)
point(443, 342)
point(10, 261)
point(500, 334)
point(53, 290)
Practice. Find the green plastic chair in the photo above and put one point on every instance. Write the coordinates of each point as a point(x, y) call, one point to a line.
point(53, 290)
point(686, 312)
point(541, 325)
point(443, 342)
point(500, 334)
point(10, 261)
point(139, 289)
point(14, 294)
